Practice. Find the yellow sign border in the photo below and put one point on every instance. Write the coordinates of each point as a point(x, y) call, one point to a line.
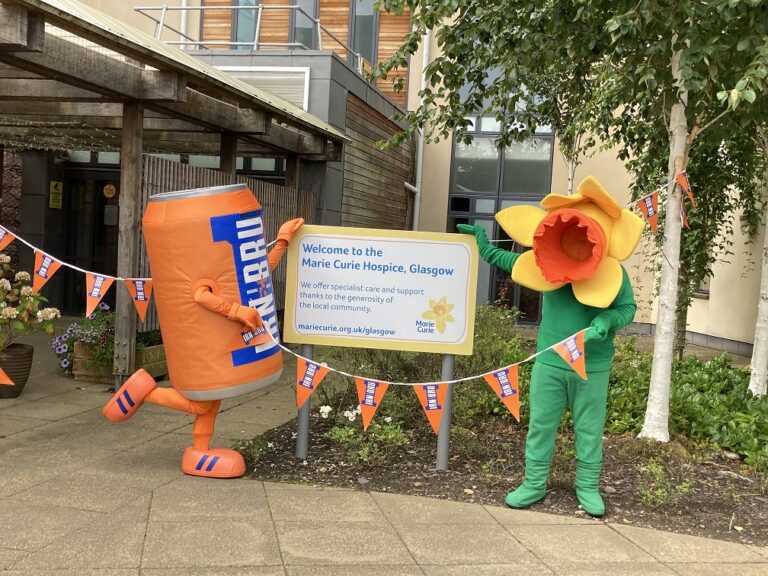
point(290, 335)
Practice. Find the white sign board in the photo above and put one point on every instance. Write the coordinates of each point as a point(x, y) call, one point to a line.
point(389, 289)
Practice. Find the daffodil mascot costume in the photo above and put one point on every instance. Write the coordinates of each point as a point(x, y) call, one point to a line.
point(578, 242)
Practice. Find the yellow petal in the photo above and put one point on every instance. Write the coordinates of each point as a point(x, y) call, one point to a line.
point(600, 290)
point(627, 232)
point(449, 318)
point(432, 303)
point(440, 325)
point(527, 273)
point(429, 315)
point(591, 188)
point(443, 301)
point(520, 222)
point(556, 201)
point(448, 307)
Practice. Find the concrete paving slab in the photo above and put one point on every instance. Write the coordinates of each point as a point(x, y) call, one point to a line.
point(189, 498)
point(9, 557)
point(220, 571)
point(578, 544)
point(71, 572)
point(509, 517)
point(271, 487)
point(488, 570)
point(25, 526)
point(762, 550)
point(153, 469)
point(353, 571)
point(669, 547)
point(209, 544)
point(324, 506)
point(417, 510)
point(44, 409)
point(612, 568)
point(463, 544)
point(323, 543)
point(10, 425)
point(720, 569)
point(229, 430)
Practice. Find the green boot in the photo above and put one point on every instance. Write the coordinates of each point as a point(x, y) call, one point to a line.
point(587, 481)
point(533, 488)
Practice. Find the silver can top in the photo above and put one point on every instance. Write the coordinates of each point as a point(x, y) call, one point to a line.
point(197, 192)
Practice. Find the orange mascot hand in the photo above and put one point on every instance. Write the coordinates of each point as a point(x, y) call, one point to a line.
point(248, 316)
point(284, 236)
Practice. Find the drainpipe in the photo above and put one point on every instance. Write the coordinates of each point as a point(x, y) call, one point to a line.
point(183, 28)
point(416, 188)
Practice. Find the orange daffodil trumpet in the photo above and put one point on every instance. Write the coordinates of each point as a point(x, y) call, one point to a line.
point(578, 239)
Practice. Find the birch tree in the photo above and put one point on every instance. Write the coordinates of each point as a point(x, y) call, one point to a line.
point(759, 375)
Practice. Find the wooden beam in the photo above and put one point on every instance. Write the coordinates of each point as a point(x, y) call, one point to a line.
point(90, 69)
point(100, 122)
point(7, 71)
point(45, 91)
point(202, 109)
point(128, 238)
point(20, 31)
point(228, 153)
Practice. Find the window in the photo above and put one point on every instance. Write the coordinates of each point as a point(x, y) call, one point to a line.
point(244, 24)
point(303, 26)
point(364, 24)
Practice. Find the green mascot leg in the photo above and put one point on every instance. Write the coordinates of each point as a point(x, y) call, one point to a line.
point(588, 400)
point(548, 397)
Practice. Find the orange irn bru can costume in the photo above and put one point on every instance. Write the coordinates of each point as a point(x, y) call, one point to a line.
point(213, 291)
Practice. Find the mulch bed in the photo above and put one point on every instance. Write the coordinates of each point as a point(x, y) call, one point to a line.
point(699, 492)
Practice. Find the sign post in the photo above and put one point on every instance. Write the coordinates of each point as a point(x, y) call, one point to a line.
point(384, 289)
point(302, 419)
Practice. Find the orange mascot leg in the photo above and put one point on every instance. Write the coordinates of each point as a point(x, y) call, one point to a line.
point(199, 459)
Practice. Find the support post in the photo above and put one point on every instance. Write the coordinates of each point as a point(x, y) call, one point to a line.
point(128, 237)
point(444, 437)
point(228, 153)
point(302, 420)
point(292, 172)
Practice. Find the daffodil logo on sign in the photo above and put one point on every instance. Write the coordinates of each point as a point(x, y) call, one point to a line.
point(439, 314)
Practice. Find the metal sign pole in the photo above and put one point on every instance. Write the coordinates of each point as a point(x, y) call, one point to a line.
point(444, 437)
point(302, 420)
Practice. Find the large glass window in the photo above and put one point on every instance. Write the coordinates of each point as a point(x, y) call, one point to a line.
point(364, 29)
point(244, 23)
point(303, 26)
point(476, 166)
point(527, 168)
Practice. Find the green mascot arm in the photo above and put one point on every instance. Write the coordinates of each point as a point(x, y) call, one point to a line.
point(502, 259)
point(619, 314)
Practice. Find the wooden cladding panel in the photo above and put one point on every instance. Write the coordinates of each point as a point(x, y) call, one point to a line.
point(334, 17)
point(373, 192)
point(217, 24)
point(275, 24)
point(392, 32)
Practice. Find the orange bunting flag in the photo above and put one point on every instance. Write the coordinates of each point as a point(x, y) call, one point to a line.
point(308, 378)
point(45, 267)
point(370, 394)
point(572, 351)
point(141, 290)
point(5, 379)
point(685, 184)
point(6, 238)
point(649, 206)
point(504, 383)
point(432, 398)
point(96, 285)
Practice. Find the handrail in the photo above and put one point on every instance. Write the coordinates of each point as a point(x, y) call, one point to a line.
point(187, 41)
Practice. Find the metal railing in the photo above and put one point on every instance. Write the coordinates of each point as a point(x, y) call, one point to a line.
point(187, 42)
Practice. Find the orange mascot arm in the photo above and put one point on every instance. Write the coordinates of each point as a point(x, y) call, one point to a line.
point(284, 236)
point(245, 314)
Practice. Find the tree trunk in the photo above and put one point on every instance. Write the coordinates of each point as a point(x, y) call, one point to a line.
point(757, 380)
point(571, 174)
point(681, 320)
point(656, 424)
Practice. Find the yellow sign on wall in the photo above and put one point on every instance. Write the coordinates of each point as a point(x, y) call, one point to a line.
point(55, 194)
point(388, 289)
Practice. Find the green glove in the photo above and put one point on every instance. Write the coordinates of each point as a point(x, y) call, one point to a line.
point(598, 329)
point(498, 257)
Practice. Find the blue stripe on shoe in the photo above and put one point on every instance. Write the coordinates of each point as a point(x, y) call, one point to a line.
point(212, 464)
point(201, 463)
point(122, 407)
point(130, 401)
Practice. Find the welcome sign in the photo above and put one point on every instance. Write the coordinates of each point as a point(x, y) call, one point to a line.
point(388, 289)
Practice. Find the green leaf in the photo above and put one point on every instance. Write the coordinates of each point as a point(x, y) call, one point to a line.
point(749, 95)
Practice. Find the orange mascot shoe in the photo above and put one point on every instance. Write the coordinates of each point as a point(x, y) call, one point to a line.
point(127, 400)
point(207, 250)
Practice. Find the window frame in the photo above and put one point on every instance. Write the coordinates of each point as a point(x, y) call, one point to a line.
point(292, 23)
point(351, 36)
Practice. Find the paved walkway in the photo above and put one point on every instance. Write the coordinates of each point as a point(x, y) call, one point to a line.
point(81, 496)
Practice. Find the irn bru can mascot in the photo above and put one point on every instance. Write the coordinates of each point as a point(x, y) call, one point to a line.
point(578, 242)
point(211, 280)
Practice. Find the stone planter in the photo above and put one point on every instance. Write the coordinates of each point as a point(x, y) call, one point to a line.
point(151, 358)
point(16, 361)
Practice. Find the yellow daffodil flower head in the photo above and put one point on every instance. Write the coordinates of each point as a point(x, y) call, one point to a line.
point(578, 239)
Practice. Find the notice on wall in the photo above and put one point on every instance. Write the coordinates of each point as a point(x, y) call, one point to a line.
point(55, 194)
point(388, 289)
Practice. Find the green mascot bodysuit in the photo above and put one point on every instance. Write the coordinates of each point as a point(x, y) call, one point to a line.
point(578, 242)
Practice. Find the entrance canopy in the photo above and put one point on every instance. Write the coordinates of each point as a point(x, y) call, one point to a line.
point(66, 69)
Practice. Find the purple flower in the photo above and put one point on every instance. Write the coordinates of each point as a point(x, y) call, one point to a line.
point(64, 363)
point(92, 315)
point(103, 306)
point(62, 349)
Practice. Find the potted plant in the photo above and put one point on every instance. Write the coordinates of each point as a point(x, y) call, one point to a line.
point(87, 347)
point(20, 313)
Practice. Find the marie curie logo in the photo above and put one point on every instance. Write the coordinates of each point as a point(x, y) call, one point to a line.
point(436, 317)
